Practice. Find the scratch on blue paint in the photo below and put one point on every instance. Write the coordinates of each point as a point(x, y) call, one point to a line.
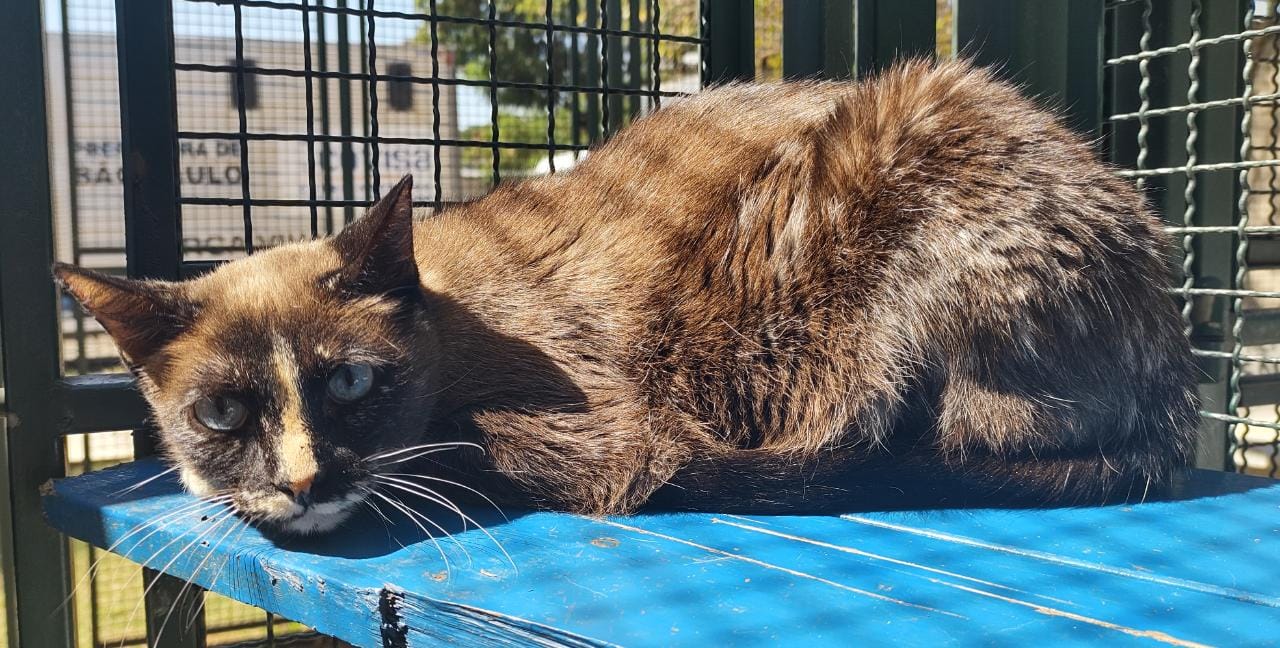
point(793, 572)
point(875, 556)
point(1232, 593)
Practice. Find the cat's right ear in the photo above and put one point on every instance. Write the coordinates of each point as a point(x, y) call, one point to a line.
point(141, 316)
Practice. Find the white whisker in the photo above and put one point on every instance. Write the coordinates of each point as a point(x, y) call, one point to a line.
point(384, 464)
point(370, 503)
point(196, 572)
point(454, 483)
point(140, 484)
point(429, 494)
point(386, 521)
point(215, 522)
point(248, 522)
point(168, 518)
point(400, 451)
point(399, 507)
point(433, 523)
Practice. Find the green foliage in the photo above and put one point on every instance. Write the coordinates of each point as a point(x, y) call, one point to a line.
point(520, 53)
point(522, 126)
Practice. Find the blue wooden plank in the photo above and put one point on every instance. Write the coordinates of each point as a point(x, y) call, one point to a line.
point(1198, 569)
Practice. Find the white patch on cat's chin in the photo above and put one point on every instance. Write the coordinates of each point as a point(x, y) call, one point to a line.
point(323, 517)
point(195, 484)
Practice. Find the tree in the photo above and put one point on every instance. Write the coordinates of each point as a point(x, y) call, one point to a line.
point(527, 126)
point(520, 54)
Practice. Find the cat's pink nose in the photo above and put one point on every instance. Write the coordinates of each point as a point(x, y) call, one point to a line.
point(302, 486)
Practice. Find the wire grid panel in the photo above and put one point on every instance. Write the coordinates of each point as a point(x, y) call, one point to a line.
point(86, 172)
point(295, 115)
point(86, 176)
point(1195, 115)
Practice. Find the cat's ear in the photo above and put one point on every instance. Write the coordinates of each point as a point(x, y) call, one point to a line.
point(141, 316)
point(377, 250)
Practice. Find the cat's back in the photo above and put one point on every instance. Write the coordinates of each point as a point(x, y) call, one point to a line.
point(929, 217)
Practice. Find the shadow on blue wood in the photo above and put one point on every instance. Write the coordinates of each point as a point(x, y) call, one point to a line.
point(1200, 569)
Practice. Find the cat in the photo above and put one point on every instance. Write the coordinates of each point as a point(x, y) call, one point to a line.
point(917, 290)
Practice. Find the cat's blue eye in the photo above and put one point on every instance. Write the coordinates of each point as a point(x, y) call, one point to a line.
point(350, 382)
point(221, 413)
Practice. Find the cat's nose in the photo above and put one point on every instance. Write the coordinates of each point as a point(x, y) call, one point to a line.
point(298, 489)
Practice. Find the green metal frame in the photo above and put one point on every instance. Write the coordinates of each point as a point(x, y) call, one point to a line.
point(36, 558)
point(1052, 47)
point(1215, 197)
point(729, 26)
point(1027, 40)
point(1219, 138)
point(854, 37)
point(889, 30)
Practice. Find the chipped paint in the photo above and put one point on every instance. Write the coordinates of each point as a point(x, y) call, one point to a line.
point(277, 575)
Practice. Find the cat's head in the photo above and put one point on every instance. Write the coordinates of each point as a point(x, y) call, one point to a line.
point(276, 378)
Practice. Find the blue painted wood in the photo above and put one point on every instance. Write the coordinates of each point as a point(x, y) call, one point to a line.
point(1199, 569)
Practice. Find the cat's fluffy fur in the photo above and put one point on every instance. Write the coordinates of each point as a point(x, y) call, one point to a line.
point(920, 289)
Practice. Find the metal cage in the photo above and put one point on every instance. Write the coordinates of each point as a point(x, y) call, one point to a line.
point(244, 123)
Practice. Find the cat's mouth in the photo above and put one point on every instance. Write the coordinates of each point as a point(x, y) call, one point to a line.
point(281, 515)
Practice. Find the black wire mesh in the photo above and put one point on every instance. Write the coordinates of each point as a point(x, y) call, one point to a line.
point(1194, 113)
point(291, 116)
point(480, 93)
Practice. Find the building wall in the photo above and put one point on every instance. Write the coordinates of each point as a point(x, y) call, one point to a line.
point(86, 158)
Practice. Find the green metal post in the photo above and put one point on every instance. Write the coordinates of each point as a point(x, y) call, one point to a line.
point(614, 45)
point(348, 153)
point(1120, 139)
point(592, 69)
point(729, 54)
point(73, 190)
point(1053, 48)
point(326, 149)
point(362, 31)
point(153, 225)
point(36, 566)
point(817, 39)
point(575, 56)
point(635, 73)
point(890, 30)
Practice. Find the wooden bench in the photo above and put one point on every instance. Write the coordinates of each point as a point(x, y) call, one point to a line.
point(1201, 568)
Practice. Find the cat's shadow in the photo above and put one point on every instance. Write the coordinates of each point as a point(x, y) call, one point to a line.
point(431, 531)
point(369, 535)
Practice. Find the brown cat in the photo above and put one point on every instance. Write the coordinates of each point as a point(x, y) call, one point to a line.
point(916, 290)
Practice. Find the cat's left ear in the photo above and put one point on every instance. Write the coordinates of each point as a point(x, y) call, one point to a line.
point(377, 250)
